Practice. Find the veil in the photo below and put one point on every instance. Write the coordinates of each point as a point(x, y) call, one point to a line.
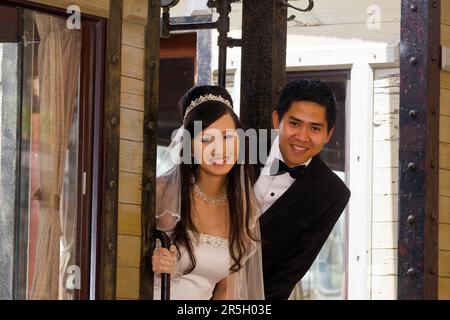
point(247, 282)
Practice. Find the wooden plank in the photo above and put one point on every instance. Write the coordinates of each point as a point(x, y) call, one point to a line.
point(444, 236)
point(444, 183)
point(445, 12)
point(129, 219)
point(98, 8)
point(133, 62)
point(151, 94)
point(129, 188)
point(131, 124)
point(444, 209)
point(107, 264)
point(445, 103)
point(133, 35)
point(135, 11)
point(130, 156)
point(385, 208)
point(385, 127)
point(445, 35)
point(384, 235)
point(445, 80)
point(132, 86)
point(384, 262)
point(343, 12)
point(127, 283)
point(384, 287)
point(132, 101)
point(385, 181)
point(446, 58)
point(444, 155)
point(386, 103)
point(385, 155)
point(444, 126)
point(128, 251)
point(444, 288)
point(444, 263)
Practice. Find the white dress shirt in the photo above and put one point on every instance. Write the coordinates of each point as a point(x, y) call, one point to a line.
point(269, 188)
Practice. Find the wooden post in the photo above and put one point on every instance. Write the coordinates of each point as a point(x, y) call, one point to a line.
point(111, 136)
point(419, 147)
point(264, 32)
point(151, 97)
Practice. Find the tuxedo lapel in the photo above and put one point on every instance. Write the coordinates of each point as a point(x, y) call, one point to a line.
point(291, 195)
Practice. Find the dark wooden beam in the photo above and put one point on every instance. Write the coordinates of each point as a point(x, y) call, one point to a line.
point(419, 147)
point(264, 32)
point(151, 98)
point(107, 265)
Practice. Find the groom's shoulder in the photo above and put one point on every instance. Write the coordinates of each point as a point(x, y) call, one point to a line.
point(328, 179)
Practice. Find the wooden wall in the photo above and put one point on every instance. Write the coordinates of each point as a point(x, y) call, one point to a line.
point(385, 183)
point(131, 148)
point(98, 8)
point(444, 164)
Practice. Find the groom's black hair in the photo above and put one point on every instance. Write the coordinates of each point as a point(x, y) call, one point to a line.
point(308, 90)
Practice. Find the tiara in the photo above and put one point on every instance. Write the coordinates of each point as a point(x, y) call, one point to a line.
point(204, 98)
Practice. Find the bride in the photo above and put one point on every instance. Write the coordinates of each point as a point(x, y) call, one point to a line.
point(205, 202)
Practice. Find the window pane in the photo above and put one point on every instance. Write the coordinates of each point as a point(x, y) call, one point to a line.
point(9, 72)
point(39, 146)
point(53, 68)
point(326, 277)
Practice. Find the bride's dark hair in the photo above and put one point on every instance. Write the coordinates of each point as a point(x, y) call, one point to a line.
point(239, 202)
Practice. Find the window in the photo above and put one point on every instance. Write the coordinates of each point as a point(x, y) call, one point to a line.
point(326, 278)
point(177, 75)
point(50, 98)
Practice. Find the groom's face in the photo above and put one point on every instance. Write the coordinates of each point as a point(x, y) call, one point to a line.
point(303, 131)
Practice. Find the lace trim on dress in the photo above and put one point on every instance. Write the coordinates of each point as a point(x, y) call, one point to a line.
point(210, 240)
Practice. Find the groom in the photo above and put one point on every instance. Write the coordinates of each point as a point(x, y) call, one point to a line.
point(301, 197)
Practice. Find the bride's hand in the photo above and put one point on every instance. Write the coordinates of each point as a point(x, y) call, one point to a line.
point(164, 261)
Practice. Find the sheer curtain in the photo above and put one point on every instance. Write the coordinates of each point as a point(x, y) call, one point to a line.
point(59, 63)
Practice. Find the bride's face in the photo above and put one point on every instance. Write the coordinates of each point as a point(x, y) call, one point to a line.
point(216, 147)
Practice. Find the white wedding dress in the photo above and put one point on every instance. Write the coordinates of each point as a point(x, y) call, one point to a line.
point(212, 265)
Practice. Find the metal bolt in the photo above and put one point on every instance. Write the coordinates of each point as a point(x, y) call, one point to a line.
point(434, 58)
point(114, 58)
point(413, 8)
point(112, 183)
point(411, 219)
point(110, 246)
point(114, 121)
point(148, 187)
point(413, 113)
point(434, 4)
point(431, 270)
point(411, 272)
point(413, 61)
point(150, 125)
point(412, 166)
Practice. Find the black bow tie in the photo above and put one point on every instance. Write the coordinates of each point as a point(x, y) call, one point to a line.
point(279, 167)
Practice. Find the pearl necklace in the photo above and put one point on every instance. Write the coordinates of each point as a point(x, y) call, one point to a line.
point(211, 201)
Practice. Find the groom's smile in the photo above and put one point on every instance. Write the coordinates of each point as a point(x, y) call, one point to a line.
point(303, 131)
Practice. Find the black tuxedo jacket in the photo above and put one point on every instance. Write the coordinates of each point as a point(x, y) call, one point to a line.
point(295, 227)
